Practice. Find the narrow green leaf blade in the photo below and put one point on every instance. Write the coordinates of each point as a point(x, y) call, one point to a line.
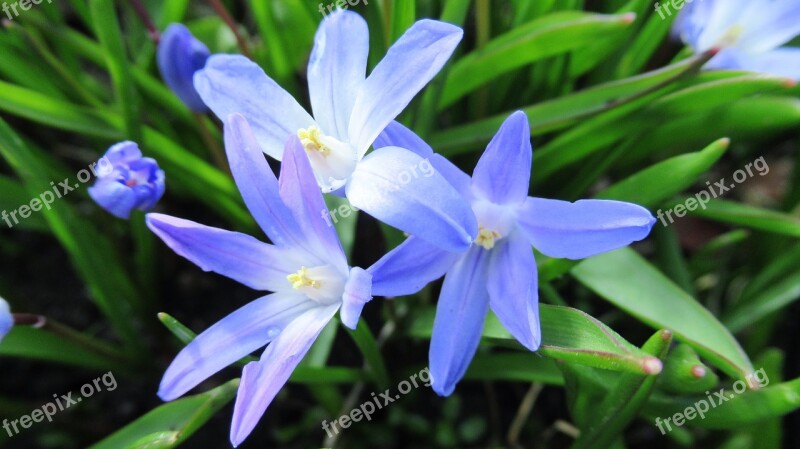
point(652, 298)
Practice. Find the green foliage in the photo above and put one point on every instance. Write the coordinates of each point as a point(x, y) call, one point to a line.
point(617, 111)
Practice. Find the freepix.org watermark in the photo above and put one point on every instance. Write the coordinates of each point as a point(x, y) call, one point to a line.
point(664, 10)
point(24, 5)
point(422, 169)
point(59, 404)
point(715, 190)
point(756, 379)
point(60, 190)
point(377, 402)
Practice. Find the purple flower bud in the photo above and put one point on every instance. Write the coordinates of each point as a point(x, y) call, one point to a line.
point(6, 320)
point(179, 56)
point(127, 181)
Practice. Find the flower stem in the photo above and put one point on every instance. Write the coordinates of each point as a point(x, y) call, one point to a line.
point(223, 13)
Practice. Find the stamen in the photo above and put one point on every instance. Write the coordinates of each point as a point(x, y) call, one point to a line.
point(731, 36)
point(301, 279)
point(486, 237)
point(311, 140)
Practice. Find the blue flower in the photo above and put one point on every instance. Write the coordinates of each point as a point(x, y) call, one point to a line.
point(350, 111)
point(6, 319)
point(127, 181)
point(306, 269)
point(179, 56)
point(748, 34)
point(498, 271)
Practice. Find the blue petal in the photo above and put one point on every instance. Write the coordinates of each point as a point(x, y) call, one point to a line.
point(357, 292)
point(337, 69)
point(6, 319)
point(258, 185)
point(233, 84)
point(401, 189)
point(503, 172)
point(230, 339)
point(238, 256)
point(179, 56)
point(783, 61)
point(262, 380)
point(584, 228)
point(408, 268)
point(397, 135)
point(408, 66)
point(513, 289)
point(768, 26)
point(121, 153)
point(116, 198)
point(460, 314)
point(299, 190)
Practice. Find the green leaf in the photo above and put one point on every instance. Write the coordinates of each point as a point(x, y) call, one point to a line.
point(366, 343)
point(520, 367)
point(15, 195)
point(567, 334)
point(750, 407)
point(776, 297)
point(541, 38)
point(751, 217)
point(651, 297)
point(171, 424)
point(684, 373)
point(623, 401)
point(104, 16)
point(39, 344)
point(663, 180)
point(56, 113)
point(562, 112)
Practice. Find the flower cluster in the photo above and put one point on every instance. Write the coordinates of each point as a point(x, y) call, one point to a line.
point(478, 230)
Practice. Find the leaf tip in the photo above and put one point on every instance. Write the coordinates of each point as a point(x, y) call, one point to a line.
point(652, 366)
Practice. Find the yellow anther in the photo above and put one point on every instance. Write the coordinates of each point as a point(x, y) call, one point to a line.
point(731, 36)
point(486, 237)
point(311, 140)
point(301, 279)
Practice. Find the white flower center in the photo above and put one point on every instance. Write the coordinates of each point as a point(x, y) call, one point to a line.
point(333, 161)
point(494, 222)
point(323, 284)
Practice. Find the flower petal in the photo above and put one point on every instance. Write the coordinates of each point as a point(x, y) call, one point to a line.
point(783, 61)
point(232, 83)
point(230, 339)
point(262, 380)
point(408, 268)
point(6, 319)
point(769, 25)
point(408, 66)
point(115, 197)
point(299, 190)
point(337, 70)
point(584, 228)
point(503, 172)
point(179, 56)
point(238, 256)
point(513, 289)
point(460, 314)
point(357, 292)
point(397, 135)
point(403, 190)
point(258, 184)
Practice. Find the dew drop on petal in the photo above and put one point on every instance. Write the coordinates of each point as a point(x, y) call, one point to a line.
point(273, 332)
